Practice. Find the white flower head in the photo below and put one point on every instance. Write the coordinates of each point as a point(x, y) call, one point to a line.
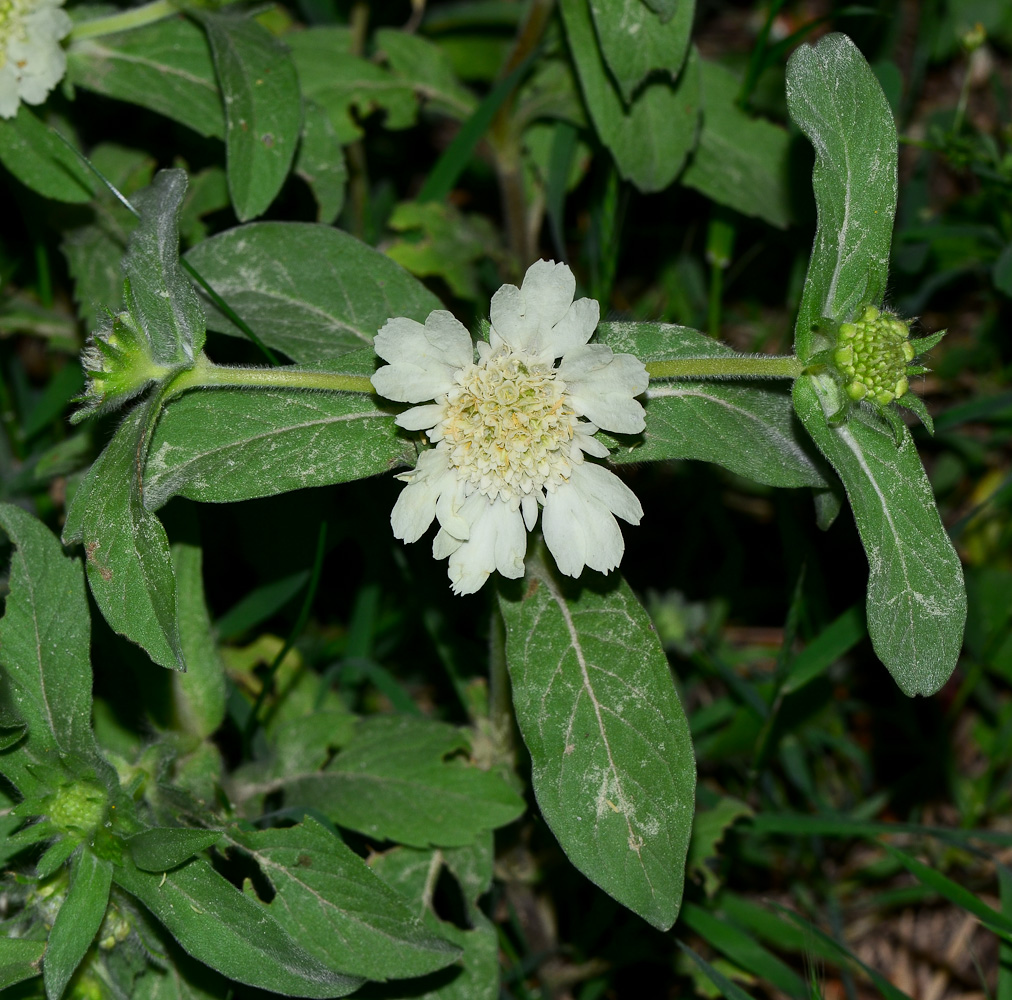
point(32, 61)
point(511, 431)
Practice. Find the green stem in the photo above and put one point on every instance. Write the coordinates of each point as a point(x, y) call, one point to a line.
point(728, 366)
point(124, 20)
point(206, 375)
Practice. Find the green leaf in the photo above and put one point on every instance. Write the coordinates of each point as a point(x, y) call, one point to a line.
point(219, 926)
point(665, 9)
point(158, 294)
point(127, 551)
point(742, 949)
point(19, 960)
point(231, 444)
point(165, 66)
point(199, 694)
point(263, 109)
point(402, 778)
point(412, 872)
point(954, 893)
point(311, 291)
point(726, 988)
point(613, 769)
point(442, 242)
point(78, 920)
point(750, 429)
point(38, 158)
point(833, 642)
point(320, 162)
point(916, 600)
point(636, 44)
point(651, 138)
point(741, 161)
point(425, 66)
point(836, 101)
point(163, 848)
point(45, 639)
point(348, 87)
point(708, 829)
point(95, 249)
point(330, 901)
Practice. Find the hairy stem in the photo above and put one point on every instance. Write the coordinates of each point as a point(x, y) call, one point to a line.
point(728, 366)
point(124, 20)
point(207, 375)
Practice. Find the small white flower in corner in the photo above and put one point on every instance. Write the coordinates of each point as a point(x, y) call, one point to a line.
point(32, 61)
point(512, 429)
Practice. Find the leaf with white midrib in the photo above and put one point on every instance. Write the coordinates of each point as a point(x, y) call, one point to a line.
point(612, 761)
point(916, 598)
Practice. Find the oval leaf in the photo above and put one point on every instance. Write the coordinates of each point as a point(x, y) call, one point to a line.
point(163, 848)
point(311, 291)
point(916, 599)
point(837, 102)
point(219, 926)
point(612, 760)
point(263, 109)
point(750, 429)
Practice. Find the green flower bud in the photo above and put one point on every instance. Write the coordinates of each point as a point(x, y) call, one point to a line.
point(118, 366)
point(78, 808)
point(872, 354)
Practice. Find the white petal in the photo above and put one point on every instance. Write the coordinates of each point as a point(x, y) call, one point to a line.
point(529, 509)
point(448, 509)
point(578, 523)
point(563, 530)
point(509, 321)
point(547, 290)
point(601, 385)
point(416, 506)
point(510, 542)
point(423, 359)
point(575, 328)
point(583, 438)
point(606, 488)
point(471, 564)
point(420, 418)
point(444, 544)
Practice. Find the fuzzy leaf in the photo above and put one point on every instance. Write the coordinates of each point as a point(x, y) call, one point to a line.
point(165, 66)
point(127, 551)
point(748, 427)
point(330, 901)
point(158, 295)
point(916, 598)
point(311, 291)
point(162, 848)
point(636, 44)
point(219, 926)
point(402, 779)
point(835, 99)
point(612, 761)
point(45, 640)
point(231, 444)
point(77, 922)
point(263, 109)
point(741, 161)
point(651, 138)
point(38, 158)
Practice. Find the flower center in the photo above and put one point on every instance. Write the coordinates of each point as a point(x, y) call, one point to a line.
point(508, 426)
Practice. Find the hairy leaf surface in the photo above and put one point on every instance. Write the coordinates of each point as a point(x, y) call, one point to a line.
point(916, 599)
point(650, 138)
point(331, 902)
point(748, 427)
point(218, 925)
point(311, 291)
point(613, 768)
point(263, 109)
point(45, 639)
point(835, 99)
point(165, 66)
point(401, 778)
